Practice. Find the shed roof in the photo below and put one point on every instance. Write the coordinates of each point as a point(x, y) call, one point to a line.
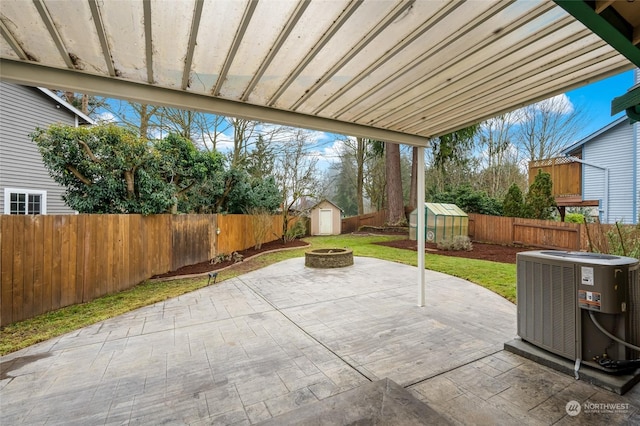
point(394, 70)
point(325, 200)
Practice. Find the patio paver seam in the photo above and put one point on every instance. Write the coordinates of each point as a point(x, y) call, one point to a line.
point(451, 369)
point(306, 333)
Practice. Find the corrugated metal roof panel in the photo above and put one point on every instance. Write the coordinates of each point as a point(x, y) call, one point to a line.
point(406, 70)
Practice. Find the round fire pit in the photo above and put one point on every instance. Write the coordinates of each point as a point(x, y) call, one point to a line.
point(328, 258)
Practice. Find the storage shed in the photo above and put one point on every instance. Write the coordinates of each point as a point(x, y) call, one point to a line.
point(443, 222)
point(326, 218)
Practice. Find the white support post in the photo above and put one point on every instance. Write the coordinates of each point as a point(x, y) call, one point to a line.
point(420, 228)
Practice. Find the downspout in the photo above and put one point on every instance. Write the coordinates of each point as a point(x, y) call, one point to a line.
point(605, 200)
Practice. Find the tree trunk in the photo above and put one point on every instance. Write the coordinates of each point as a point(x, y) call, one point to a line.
point(413, 189)
point(395, 204)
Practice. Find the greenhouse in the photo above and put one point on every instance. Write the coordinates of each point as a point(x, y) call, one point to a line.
point(443, 222)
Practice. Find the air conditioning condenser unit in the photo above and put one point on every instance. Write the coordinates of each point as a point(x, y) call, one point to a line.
point(581, 306)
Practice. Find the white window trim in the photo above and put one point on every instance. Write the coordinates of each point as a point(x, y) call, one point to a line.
point(9, 191)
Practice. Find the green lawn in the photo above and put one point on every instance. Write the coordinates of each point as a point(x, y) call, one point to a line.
point(497, 277)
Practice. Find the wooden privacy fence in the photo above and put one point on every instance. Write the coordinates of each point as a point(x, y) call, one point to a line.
point(352, 224)
point(544, 233)
point(51, 261)
point(237, 231)
point(528, 232)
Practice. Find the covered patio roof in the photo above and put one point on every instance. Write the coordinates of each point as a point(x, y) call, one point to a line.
point(399, 71)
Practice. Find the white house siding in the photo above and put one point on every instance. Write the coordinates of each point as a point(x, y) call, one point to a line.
point(22, 109)
point(616, 150)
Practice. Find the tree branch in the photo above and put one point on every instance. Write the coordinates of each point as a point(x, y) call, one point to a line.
point(82, 178)
point(86, 149)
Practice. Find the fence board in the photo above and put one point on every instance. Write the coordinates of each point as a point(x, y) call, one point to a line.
point(28, 260)
point(495, 229)
point(38, 262)
point(547, 234)
point(47, 266)
point(7, 251)
point(79, 248)
point(18, 268)
point(352, 224)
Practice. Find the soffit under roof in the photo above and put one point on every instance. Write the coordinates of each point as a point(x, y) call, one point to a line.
point(400, 71)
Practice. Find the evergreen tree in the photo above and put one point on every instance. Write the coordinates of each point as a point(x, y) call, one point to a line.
point(539, 201)
point(513, 203)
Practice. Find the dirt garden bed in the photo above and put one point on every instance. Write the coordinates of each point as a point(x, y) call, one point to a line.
point(204, 267)
point(492, 252)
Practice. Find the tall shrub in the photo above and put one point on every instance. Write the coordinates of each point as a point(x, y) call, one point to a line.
point(513, 204)
point(539, 202)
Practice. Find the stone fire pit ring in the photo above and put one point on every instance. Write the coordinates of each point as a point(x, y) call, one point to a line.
point(328, 258)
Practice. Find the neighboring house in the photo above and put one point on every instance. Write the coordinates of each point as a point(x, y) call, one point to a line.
point(25, 185)
point(326, 218)
point(610, 159)
point(601, 171)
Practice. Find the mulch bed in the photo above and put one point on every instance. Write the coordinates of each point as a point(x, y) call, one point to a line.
point(207, 266)
point(492, 252)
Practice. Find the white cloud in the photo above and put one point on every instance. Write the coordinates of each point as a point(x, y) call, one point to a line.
point(106, 117)
point(559, 104)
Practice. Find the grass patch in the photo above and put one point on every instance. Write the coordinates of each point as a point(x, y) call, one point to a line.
point(497, 277)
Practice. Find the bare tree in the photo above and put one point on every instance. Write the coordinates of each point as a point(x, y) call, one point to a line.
point(296, 174)
point(141, 117)
point(499, 156)
point(545, 128)
point(202, 129)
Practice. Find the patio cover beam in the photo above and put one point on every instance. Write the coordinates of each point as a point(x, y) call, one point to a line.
point(603, 27)
point(629, 102)
point(37, 75)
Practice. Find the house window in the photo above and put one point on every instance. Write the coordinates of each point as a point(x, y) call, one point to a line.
point(25, 201)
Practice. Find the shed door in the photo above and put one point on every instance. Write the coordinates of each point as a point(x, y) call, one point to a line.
point(326, 221)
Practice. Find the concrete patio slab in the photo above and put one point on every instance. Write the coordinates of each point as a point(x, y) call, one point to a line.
point(266, 343)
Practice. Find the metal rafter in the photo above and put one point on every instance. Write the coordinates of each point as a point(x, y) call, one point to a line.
point(519, 94)
point(148, 41)
point(425, 56)
point(492, 78)
point(282, 37)
point(335, 26)
point(106, 51)
point(426, 26)
point(193, 36)
point(53, 32)
point(13, 42)
point(22, 72)
point(237, 40)
point(504, 108)
point(364, 41)
point(473, 49)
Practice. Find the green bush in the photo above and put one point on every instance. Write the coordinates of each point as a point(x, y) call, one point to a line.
point(458, 243)
point(298, 230)
point(574, 218)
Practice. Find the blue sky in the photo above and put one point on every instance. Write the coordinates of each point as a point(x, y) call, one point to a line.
point(596, 100)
